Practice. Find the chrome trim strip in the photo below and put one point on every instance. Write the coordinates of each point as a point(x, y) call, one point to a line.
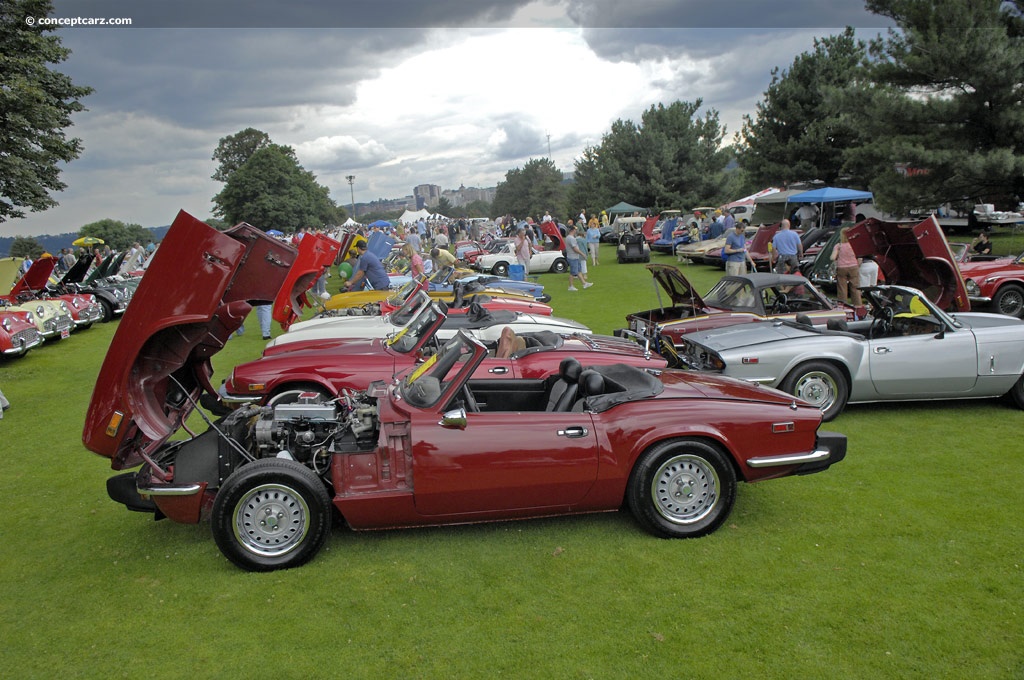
point(186, 490)
point(790, 459)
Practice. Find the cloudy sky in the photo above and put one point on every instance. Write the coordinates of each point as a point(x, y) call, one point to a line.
point(395, 92)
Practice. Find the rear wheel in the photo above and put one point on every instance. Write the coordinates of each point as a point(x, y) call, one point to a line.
point(821, 384)
point(1009, 300)
point(500, 269)
point(682, 489)
point(271, 514)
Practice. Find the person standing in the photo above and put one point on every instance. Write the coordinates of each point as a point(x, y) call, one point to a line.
point(574, 256)
point(415, 260)
point(523, 248)
point(847, 269)
point(736, 251)
point(369, 268)
point(263, 315)
point(593, 239)
point(788, 249)
point(808, 215)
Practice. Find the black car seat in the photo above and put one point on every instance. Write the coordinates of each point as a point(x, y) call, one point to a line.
point(836, 325)
point(563, 391)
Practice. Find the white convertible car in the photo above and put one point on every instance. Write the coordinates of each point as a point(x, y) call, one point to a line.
point(541, 261)
point(484, 324)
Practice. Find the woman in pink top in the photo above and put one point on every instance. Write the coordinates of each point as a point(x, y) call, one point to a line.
point(415, 261)
point(847, 270)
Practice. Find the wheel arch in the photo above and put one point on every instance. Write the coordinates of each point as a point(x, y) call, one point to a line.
point(713, 439)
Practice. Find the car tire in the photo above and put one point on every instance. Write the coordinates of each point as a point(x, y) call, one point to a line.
point(500, 269)
point(1009, 300)
point(108, 311)
point(1016, 393)
point(682, 489)
point(819, 383)
point(560, 266)
point(271, 514)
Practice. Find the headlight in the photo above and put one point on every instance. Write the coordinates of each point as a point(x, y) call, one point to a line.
point(972, 287)
point(77, 302)
point(64, 307)
point(40, 311)
point(6, 323)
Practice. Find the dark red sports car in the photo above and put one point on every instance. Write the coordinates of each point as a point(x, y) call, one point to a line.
point(433, 446)
point(733, 300)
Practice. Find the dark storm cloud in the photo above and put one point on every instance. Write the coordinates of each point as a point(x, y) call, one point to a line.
point(214, 77)
point(295, 13)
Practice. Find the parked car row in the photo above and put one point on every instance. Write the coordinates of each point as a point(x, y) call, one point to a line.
point(36, 307)
point(917, 340)
point(422, 416)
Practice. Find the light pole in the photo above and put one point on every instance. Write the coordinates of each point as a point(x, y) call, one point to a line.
point(352, 193)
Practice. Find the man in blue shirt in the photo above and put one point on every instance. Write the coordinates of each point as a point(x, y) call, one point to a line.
point(369, 268)
point(788, 249)
point(736, 251)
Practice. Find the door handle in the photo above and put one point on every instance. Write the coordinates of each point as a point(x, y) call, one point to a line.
point(500, 370)
point(573, 432)
point(882, 350)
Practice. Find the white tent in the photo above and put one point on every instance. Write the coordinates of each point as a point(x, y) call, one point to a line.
point(409, 217)
point(350, 223)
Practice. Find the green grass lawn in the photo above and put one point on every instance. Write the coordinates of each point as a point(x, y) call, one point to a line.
point(903, 561)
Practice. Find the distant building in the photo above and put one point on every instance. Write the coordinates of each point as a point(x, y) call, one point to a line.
point(463, 195)
point(427, 195)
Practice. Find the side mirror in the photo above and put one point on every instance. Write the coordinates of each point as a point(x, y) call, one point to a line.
point(454, 419)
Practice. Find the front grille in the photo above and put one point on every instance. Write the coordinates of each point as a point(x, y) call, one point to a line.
point(64, 322)
point(25, 337)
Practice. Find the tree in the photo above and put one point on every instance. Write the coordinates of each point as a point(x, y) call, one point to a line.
point(672, 159)
point(800, 130)
point(477, 209)
point(36, 103)
point(272, 191)
point(117, 234)
point(27, 247)
point(234, 150)
point(944, 120)
point(444, 206)
point(531, 190)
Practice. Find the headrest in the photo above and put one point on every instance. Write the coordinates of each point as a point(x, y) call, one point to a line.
point(836, 325)
point(591, 383)
point(569, 369)
point(804, 319)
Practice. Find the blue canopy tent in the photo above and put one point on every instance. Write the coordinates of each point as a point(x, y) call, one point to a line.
point(380, 223)
point(831, 195)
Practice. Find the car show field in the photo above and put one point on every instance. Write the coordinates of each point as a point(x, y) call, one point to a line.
point(874, 567)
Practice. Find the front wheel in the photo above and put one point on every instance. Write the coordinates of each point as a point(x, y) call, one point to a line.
point(682, 489)
point(560, 266)
point(1009, 300)
point(271, 514)
point(1016, 393)
point(821, 384)
point(500, 269)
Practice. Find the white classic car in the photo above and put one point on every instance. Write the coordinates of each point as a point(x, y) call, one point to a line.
point(541, 261)
point(483, 324)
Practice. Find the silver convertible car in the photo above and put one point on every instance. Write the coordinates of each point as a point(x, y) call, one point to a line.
point(909, 350)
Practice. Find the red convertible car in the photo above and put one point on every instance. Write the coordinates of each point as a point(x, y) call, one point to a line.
point(433, 446)
point(328, 367)
point(18, 334)
point(998, 283)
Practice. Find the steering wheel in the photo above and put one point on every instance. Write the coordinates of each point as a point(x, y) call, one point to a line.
point(467, 396)
point(779, 305)
point(883, 322)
